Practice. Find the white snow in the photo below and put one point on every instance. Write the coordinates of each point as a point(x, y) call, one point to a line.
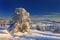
point(39, 35)
point(33, 35)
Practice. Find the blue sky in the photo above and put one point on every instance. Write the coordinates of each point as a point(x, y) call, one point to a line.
point(35, 7)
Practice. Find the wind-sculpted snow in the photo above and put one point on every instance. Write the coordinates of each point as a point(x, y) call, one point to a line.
point(47, 25)
point(33, 35)
point(39, 35)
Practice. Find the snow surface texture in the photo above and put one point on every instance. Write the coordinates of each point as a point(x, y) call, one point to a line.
point(47, 25)
point(33, 35)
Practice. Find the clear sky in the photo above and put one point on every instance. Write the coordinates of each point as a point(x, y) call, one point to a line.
point(35, 7)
